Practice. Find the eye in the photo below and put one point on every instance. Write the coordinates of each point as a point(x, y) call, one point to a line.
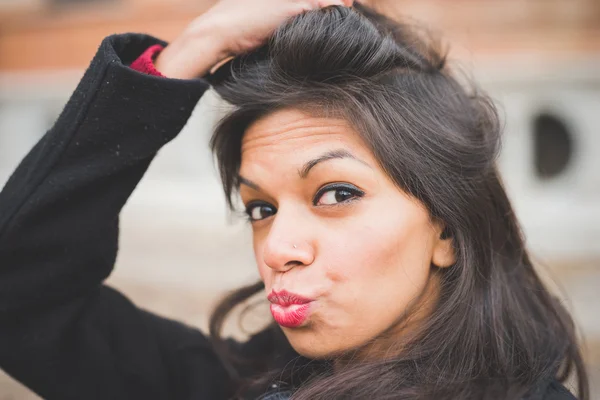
point(257, 211)
point(336, 194)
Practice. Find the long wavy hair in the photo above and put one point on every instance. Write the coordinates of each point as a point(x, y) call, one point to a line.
point(495, 332)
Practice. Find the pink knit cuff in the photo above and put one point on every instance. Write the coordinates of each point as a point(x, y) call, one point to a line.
point(145, 62)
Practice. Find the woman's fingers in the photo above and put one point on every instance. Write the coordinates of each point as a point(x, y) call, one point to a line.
point(227, 29)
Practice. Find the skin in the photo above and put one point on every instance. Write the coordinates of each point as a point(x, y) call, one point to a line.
point(363, 258)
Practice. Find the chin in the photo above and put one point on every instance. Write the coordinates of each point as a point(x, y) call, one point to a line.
point(308, 345)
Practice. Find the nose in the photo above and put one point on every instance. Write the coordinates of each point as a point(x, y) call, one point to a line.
point(287, 245)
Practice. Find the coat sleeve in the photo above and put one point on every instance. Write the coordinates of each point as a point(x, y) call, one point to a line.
point(63, 333)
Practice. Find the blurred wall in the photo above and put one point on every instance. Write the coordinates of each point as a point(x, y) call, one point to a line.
point(180, 249)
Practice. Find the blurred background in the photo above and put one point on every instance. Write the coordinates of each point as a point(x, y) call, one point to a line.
point(180, 248)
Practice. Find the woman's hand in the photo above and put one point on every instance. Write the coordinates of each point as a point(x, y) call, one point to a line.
point(229, 28)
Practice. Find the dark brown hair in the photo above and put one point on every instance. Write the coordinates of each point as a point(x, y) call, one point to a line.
point(496, 332)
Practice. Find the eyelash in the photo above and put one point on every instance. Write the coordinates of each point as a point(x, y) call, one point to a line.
point(353, 190)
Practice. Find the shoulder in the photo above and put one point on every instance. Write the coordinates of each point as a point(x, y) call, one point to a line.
point(189, 362)
point(557, 391)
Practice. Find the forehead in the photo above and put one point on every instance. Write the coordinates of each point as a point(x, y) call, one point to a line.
point(294, 131)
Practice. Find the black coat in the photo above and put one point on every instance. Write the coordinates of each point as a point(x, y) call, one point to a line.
point(63, 333)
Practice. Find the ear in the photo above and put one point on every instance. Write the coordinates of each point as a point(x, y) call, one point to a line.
point(443, 251)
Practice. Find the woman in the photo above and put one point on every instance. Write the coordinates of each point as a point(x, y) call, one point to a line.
point(384, 240)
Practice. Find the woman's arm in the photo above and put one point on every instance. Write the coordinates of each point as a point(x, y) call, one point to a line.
point(63, 333)
point(62, 202)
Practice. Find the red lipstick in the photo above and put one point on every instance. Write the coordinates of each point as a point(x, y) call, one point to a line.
point(289, 309)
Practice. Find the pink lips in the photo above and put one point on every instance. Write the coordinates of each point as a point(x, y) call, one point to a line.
point(288, 309)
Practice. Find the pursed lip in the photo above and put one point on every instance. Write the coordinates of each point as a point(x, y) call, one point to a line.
point(289, 310)
point(285, 298)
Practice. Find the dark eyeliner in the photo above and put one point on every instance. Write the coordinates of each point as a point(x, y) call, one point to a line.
point(257, 203)
point(335, 186)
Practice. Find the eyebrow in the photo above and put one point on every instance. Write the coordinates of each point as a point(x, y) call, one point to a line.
point(304, 171)
point(330, 155)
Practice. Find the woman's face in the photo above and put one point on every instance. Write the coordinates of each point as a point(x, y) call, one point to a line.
point(330, 226)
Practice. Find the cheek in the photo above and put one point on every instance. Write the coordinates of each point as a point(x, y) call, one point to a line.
point(380, 245)
point(378, 269)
